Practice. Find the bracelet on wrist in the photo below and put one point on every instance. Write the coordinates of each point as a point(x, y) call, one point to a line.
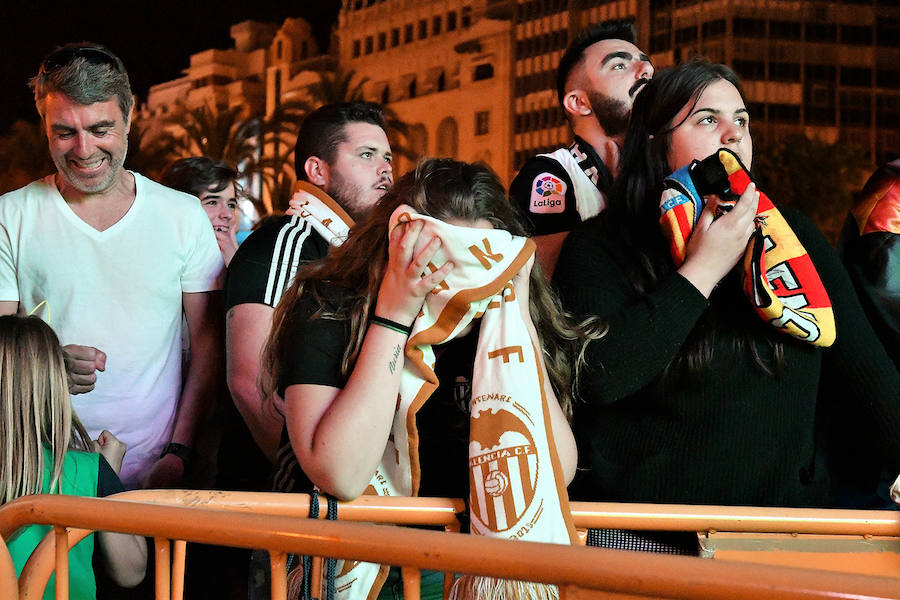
point(180, 450)
point(394, 325)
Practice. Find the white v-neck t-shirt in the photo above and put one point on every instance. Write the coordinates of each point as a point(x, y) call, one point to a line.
point(118, 290)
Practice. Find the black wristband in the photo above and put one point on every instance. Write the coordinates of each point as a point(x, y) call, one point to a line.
point(398, 327)
point(180, 450)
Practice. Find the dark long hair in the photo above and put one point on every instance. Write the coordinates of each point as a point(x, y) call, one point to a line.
point(444, 189)
point(631, 221)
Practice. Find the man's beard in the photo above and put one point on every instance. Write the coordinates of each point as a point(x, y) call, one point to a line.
point(612, 114)
point(349, 196)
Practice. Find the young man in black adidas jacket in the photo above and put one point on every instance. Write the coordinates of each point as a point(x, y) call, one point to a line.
point(343, 150)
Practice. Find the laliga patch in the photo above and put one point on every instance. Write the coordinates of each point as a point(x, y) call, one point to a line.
point(548, 194)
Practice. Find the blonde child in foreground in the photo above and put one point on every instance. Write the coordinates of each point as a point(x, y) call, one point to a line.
point(47, 450)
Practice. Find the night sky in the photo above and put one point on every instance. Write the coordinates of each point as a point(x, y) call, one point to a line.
point(154, 38)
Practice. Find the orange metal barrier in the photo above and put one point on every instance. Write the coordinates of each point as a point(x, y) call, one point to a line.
point(855, 541)
point(580, 572)
point(767, 535)
point(444, 512)
point(435, 512)
point(7, 573)
point(858, 547)
point(51, 554)
point(678, 517)
point(439, 512)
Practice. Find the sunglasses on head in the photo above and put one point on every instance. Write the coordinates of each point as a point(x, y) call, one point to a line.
point(95, 55)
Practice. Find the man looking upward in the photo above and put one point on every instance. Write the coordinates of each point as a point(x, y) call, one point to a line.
point(597, 79)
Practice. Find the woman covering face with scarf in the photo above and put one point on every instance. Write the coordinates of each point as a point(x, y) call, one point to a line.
point(424, 356)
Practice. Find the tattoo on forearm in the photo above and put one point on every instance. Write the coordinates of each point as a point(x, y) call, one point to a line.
point(393, 364)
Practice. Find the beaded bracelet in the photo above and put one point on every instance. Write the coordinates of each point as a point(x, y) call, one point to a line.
point(394, 325)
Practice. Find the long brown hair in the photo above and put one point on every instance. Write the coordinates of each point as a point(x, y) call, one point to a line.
point(444, 189)
point(35, 410)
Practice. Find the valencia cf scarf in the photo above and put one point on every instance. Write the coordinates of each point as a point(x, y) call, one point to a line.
point(778, 275)
point(517, 490)
point(320, 210)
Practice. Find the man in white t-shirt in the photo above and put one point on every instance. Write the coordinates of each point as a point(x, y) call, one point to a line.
point(112, 260)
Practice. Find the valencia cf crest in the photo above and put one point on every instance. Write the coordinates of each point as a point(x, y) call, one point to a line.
point(503, 468)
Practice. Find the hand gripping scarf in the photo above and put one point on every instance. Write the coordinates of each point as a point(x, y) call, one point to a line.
point(517, 489)
point(779, 277)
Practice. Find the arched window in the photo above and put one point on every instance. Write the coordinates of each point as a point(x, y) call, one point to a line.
point(277, 92)
point(418, 140)
point(448, 138)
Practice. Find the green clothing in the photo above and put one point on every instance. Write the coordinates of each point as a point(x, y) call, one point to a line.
point(79, 478)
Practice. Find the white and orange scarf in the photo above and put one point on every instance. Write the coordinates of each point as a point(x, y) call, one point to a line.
point(517, 489)
point(321, 211)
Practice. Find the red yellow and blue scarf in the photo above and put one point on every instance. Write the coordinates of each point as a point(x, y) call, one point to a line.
point(780, 279)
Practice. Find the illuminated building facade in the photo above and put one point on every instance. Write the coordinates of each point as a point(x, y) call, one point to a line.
point(826, 69)
point(267, 65)
point(443, 67)
point(475, 79)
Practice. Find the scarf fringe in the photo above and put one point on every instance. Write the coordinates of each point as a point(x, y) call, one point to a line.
point(478, 587)
point(295, 582)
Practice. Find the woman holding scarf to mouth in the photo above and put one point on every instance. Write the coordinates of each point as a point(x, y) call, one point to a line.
point(692, 397)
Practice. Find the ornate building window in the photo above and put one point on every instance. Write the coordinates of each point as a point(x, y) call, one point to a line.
point(448, 138)
point(482, 122)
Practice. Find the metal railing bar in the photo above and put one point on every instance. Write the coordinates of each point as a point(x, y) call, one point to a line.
point(610, 570)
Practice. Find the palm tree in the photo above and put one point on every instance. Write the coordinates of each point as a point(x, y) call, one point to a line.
point(258, 146)
point(223, 133)
point(228, 134)
point(275, 171)
point(23, 155)
point(148, 154)
point(346, 86)
point(338, 85)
